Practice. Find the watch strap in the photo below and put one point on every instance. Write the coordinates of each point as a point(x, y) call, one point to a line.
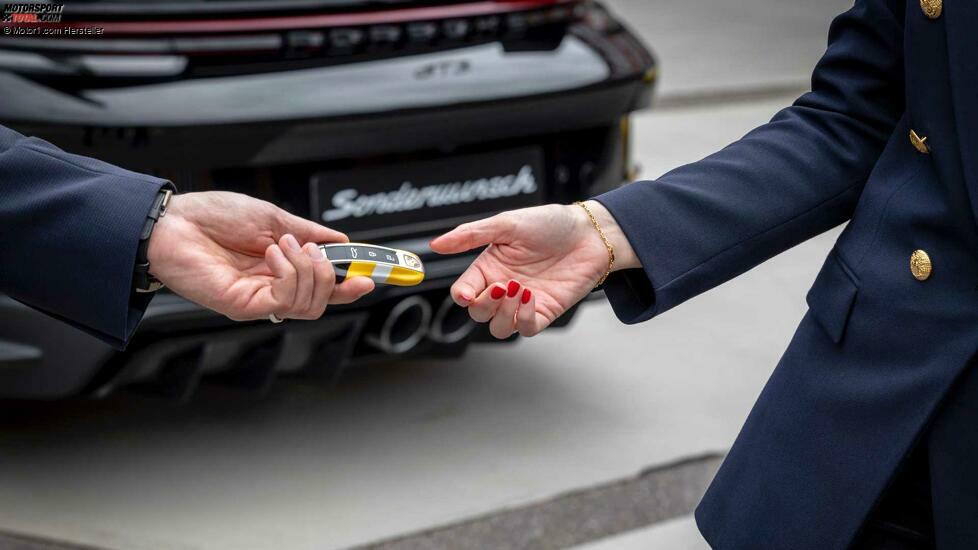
point(142, 279)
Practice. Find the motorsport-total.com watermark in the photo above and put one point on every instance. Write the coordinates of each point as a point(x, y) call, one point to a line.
point(37, 19)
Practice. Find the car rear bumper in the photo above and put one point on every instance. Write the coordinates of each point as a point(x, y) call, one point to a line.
point(179, 343)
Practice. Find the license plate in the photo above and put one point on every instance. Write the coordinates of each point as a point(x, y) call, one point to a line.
point(379, 201)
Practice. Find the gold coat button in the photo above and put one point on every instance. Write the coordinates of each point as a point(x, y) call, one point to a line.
point(932, 8)
point(919, 143)
point(920, 265)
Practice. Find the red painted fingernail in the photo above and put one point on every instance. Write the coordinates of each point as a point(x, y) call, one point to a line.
point(497, 292)
point(514, 287)
point(526, 295)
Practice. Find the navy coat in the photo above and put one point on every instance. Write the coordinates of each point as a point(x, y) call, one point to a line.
point(879, 350)
point(69, 229)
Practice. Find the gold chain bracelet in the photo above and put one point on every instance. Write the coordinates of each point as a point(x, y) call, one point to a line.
point(604, 239)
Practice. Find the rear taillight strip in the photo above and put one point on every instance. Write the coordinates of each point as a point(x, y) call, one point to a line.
point(473, 9)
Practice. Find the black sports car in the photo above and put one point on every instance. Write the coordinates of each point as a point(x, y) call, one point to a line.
point(392, 120)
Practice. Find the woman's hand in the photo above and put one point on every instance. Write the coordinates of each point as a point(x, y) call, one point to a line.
point(540, 262)
point(247, 259)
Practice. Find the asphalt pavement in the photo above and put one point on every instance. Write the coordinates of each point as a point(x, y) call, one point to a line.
point(622, 426)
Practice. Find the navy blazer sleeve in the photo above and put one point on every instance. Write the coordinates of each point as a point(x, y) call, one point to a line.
point(69, 229)
point(786, 181)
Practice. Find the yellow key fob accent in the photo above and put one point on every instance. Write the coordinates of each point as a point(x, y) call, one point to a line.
point(386, 266)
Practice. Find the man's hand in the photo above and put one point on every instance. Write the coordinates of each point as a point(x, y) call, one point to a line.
point(245, 258)
point(540, 262)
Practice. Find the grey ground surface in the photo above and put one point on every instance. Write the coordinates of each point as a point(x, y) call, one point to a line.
point(712, 47)
point(673, 534)
point(427, 447)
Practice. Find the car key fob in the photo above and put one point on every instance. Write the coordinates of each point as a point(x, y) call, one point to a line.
point(386, 266)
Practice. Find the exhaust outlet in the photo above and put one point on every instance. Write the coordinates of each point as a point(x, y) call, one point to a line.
point(451, 323)
point(404, 328)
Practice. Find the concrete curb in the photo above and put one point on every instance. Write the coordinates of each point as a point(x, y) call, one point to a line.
point(729, 96)
point(577, 517)
point(15, 541)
